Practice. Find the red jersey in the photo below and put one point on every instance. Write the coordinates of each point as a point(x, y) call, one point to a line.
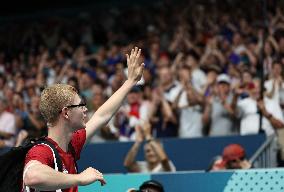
point(43, 154)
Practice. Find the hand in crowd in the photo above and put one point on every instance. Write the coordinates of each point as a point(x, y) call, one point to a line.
point(135, 69)
point(139, 137)
point(143, 132)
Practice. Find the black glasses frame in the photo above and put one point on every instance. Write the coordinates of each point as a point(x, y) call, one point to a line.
point(73, 106)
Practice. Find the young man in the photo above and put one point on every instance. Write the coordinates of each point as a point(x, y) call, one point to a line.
point(65, 114)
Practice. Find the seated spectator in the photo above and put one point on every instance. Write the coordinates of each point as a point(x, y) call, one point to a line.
point(156, 159)
point(234, 157)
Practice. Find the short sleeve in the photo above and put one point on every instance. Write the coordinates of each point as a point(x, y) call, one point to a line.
point(172, 167)
point(40, 153)
point(78, 140)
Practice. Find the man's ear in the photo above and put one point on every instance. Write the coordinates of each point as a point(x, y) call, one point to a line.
point(65, 113)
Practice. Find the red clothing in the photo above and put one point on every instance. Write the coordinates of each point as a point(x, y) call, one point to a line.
point(43, 154)
point(134, 110)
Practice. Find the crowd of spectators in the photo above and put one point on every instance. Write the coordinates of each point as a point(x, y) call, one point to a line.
point(203, 66)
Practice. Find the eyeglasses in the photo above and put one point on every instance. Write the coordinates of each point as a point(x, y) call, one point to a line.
point(79, 105)
point(73, 106)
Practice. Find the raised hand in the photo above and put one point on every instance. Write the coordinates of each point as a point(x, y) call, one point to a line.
point(135, 69)
point(91, 175)
point(147, 130)
point(138, 134)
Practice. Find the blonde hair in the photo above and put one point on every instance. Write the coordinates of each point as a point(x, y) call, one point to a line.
point(54, 98)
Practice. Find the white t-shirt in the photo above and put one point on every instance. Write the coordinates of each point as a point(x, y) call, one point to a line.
point(278, 90)
point(8, 125)
point(250, 118)
point(143, 166)
point(190, 119)
point(199, 79)
point(172, 93)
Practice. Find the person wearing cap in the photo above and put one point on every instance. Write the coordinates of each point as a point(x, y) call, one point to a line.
point(218, 114)
point(149, 186)
point(234, 157)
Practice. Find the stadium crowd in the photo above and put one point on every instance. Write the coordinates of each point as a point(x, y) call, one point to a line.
point(202, 75)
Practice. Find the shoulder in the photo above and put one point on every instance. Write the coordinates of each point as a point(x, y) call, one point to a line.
point(40, 148)
point(172, 166)
point(41, 153)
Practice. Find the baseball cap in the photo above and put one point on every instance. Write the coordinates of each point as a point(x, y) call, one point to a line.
point(223, 78)
point(233, 152)
point(152, 183)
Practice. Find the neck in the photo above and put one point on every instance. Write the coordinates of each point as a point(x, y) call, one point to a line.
point(61, 135)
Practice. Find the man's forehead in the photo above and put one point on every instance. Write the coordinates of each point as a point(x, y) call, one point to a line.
point(78, 98)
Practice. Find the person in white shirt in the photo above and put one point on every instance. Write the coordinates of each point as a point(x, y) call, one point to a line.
point(198, 77)
point(189, 104)
point(7, 126)
point(275, 86)
point(156, 159)
point(247, 109)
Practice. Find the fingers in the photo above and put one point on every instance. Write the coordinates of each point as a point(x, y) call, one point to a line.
point(134, 55)
point(137, 55)
point(103, 182)
point(132, 51)
point(100, 177)
point(97, 173)
point(128, 59)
